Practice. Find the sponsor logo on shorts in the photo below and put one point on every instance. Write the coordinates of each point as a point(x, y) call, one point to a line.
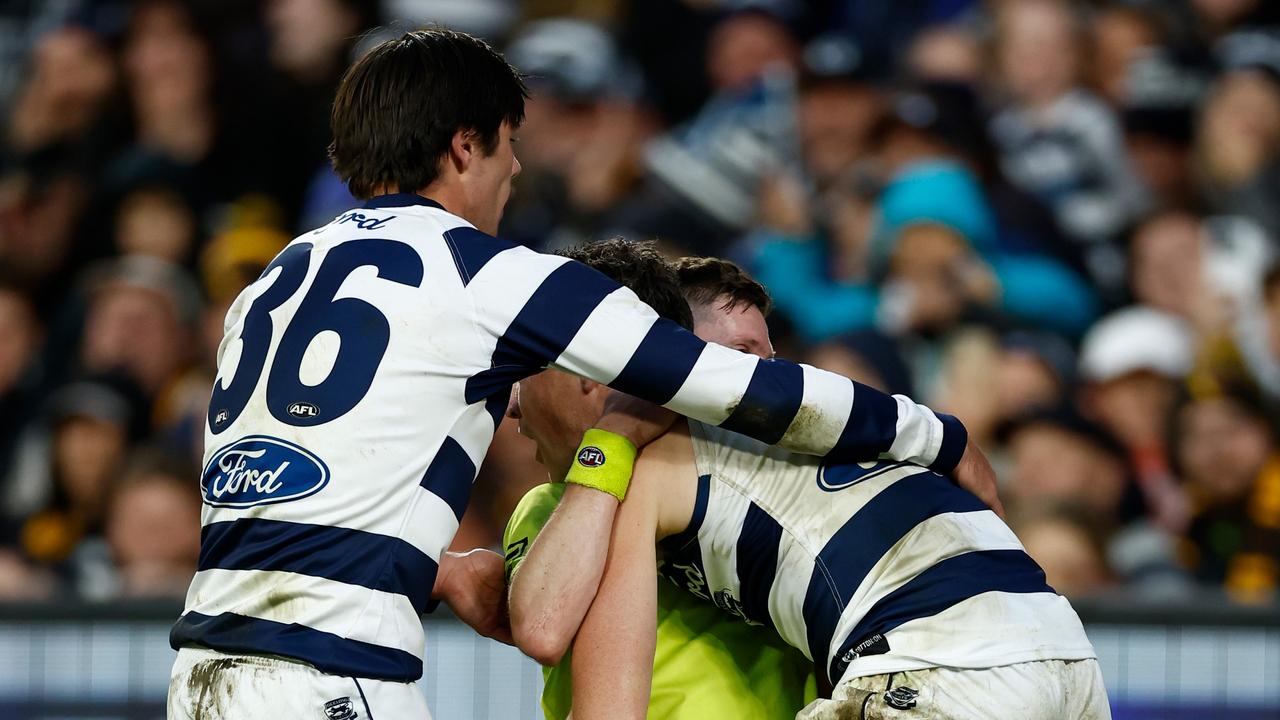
point(340, 709)
point(591, 456)
point(901, 697)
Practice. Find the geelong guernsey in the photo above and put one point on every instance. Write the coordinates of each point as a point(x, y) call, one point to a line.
point(867, 568)
point(360, 381)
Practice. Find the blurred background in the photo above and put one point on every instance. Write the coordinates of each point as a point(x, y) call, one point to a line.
point(1057, 220)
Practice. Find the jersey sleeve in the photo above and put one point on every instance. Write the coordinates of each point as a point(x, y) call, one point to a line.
point(527, 520)
point(551, 311)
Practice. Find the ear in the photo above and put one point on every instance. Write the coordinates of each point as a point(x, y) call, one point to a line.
point(462, 148)
point(590, 386)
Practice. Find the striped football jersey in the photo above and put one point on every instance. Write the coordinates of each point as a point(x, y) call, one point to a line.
point(360, 381)
point(868, 568)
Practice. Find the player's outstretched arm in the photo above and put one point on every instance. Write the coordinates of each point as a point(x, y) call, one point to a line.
point(613, 652)
point(553, 311)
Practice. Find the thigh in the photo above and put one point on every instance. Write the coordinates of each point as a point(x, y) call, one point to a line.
point(1085, 692)
point(1042, 690)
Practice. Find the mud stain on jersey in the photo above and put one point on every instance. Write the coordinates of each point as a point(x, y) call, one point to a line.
point(280, 603)
point(808, 427)
point(210, 684)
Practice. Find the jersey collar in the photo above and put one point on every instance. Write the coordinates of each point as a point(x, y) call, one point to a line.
point(400, 200)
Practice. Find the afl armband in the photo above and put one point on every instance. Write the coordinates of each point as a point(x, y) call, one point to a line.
point(604, 462)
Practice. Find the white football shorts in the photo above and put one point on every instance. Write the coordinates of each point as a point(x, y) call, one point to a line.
point(209, 685)
point(1042, 690)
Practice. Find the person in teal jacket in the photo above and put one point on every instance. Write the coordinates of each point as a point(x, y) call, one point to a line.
point(944, 195)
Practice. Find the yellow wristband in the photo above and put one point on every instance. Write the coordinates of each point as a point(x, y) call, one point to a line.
point(604, 462)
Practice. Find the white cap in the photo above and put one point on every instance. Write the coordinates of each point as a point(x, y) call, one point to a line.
point(1137, 338)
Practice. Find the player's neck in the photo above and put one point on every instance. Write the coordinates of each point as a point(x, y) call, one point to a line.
point(449, 196)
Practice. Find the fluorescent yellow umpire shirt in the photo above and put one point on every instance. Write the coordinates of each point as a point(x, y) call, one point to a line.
point(706, 664)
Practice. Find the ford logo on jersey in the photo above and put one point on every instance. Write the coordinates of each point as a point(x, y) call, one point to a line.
point(839, 477)
point(260, 470)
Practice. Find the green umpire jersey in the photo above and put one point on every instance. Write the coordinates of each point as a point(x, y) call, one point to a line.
point(706, 663)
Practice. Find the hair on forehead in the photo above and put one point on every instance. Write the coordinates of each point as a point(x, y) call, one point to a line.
point(705, 280)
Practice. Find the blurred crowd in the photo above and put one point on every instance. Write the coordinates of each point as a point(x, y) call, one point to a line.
point(1056, 220)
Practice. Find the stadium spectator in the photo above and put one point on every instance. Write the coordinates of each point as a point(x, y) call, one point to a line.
point(1122, 36)
point(1057, 457)
point(51, 157)
point(310, 43)
point(946, 53)
point(1131, 364)
point(1214, 18)
point(152, 528)
point(705, 175)
point(936, 246)
point(836, 111)
point(137, 321)
point(20, 338)
point(869, 357)
point(582, 134)
point(1238, 143)
point(1067, 543)
point(60, 493)
point(1227, 455)
point(1162, 90)
point(156, 222)
point(1033, 370)
point(989, 379)
point(1057, 140)
point(169, 76)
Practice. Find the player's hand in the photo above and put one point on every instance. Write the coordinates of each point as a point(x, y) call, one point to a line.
point(974, 473)
point(474, 586)
point(638, 420)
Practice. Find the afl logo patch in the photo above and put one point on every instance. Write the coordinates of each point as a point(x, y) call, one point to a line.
point(303, 410)
point(591, 456)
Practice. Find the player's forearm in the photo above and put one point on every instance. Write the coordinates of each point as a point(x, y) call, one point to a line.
point(798, 407)
point(804, 410)
point(556, 582)
point(613, 652)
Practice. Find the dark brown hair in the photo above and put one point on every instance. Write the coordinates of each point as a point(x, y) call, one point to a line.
point(399, 106)
point(640, 267)
point(704, 280)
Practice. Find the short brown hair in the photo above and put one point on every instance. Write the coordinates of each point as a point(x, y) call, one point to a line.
point(398, 107)
point(705, 279)
point(640, 267)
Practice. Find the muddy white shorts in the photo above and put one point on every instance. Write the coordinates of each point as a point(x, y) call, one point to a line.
point(209, 685)
point(1044, 690)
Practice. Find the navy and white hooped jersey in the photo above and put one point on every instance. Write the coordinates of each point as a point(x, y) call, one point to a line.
point(360, 381)
point(867, 568)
